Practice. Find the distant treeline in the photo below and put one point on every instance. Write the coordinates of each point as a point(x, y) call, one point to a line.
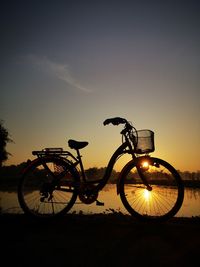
point(10, 175)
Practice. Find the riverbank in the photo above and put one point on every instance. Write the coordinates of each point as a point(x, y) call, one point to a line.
point(99, 240)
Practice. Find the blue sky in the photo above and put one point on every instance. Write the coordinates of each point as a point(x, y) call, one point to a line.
point(68, 65)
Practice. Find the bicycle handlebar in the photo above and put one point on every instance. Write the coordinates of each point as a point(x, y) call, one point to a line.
point(115, 121)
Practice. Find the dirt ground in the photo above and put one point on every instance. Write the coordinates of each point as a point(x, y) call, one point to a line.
point(99, 240)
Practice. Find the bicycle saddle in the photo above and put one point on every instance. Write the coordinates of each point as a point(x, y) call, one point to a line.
point(76, 144)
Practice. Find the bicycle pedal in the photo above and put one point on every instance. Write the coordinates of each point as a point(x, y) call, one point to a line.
point(98, 203)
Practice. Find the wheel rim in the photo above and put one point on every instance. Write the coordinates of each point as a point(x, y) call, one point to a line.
point(165, 198)
point(40, 196)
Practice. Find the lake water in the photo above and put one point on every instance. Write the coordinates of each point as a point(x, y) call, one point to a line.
point(112, 202)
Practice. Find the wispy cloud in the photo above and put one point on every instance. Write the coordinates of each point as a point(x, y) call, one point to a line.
point(60, 71)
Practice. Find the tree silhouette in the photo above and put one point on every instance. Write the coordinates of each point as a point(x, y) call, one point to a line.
point(4, 139)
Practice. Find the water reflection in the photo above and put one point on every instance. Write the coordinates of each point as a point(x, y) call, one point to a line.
point(9, 203)
point(146, 195)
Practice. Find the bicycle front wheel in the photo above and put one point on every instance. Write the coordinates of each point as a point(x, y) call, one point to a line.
point(164, 197)
point(47, 188)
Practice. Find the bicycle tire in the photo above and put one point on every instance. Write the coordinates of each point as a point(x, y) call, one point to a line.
point(166, 197)
point(45, 194)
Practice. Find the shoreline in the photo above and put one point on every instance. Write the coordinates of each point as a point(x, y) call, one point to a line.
point(114, 215)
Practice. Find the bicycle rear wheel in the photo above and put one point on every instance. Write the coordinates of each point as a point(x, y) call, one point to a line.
point(160, 203)
point(47, 187)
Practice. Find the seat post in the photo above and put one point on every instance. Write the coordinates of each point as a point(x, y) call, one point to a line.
point(81, 165)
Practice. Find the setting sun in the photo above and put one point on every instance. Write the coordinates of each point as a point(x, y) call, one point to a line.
point(145, 165)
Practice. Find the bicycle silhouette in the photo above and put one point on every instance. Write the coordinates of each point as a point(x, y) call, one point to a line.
point(149, 187)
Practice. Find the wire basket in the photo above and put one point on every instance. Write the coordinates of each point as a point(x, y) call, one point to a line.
point(143, 141)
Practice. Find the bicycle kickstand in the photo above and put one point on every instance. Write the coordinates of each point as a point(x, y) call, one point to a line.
point(98, 203)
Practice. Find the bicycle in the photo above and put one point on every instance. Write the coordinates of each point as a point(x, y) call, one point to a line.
point(149, 187)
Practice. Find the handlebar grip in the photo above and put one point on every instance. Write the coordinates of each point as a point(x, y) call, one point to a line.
point(115, 121)
point(106, 122)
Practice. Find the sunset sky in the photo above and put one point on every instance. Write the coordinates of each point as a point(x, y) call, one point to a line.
point(66, 66)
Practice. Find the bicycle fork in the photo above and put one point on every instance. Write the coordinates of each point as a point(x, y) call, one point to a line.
point(137, 162)
point(142, 163)
point(144, 180)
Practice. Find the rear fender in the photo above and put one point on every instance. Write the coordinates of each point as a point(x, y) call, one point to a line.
point(72, 165)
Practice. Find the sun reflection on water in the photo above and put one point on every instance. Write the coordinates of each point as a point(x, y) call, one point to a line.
point(146, 194)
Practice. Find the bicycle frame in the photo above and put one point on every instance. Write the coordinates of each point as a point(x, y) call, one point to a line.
point(124, 148)
point(121, 150)
point(56, 170)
